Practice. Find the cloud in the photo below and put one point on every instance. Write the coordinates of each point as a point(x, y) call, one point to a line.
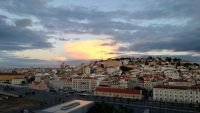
point(187, 41)
point(61, 58)
point(143, 26)
point(14, 38)
point(7, 60)
point(64, 39)
point(113, 43)
point(89, 49)
point(23, 22)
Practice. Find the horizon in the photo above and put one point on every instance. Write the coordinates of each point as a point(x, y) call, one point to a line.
point(43, 33)
point(75, 63)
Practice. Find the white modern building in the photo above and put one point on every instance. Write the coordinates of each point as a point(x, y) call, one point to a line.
point(74, 106)
point(176, 94)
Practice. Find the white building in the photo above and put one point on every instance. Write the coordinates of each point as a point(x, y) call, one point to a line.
point(176, 94)
point(85, 83)
point(177, 82)
point(17, 81)
point(112, 70)
point(86, 70)
point(123, 83)
point(38, 76)
point(172, 74)
point(61, 83)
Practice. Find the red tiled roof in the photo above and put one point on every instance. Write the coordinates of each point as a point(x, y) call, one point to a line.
point(117, 90)
point(84, 78)
point(20, 77)
point(65, 78)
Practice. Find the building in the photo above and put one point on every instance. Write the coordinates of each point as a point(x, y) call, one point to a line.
point(86, 70)
point(118, 92)
point(17, 80)
point(11, 78)
point(74, 106)
point(173, 74)
point(61, 83)
point(132, 82)
point(97, 69)
point(178, 82)
point(121, 82)
point(112, 70)
point(112, 63)
point(85, 83)
point(38, 85)
point(177, 94)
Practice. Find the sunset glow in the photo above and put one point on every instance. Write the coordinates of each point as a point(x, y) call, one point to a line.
point(90, 49)
point(60, 58)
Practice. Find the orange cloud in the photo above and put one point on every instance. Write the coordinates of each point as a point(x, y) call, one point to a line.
point(90, 49)
point(60, 58)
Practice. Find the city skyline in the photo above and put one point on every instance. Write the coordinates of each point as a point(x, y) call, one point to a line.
point(45, 32)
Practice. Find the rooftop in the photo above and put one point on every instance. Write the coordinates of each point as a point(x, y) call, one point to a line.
point(67, 107)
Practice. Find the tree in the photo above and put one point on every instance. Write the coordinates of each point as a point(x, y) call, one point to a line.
point(146, 62)
point(169, 59)
point(125, 69)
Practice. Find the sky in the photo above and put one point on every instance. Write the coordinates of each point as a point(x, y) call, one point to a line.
point(48, 32)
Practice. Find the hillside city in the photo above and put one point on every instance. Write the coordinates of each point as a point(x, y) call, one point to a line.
point(163, 81)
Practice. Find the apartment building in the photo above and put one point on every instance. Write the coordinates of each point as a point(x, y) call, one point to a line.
point(61, 83)
point(177, 94)
point(85, 83)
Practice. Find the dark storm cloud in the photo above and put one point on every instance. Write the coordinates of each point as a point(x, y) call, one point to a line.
point(16, 38)
point(23, 22)
point(3, 17)
point(187, 41)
